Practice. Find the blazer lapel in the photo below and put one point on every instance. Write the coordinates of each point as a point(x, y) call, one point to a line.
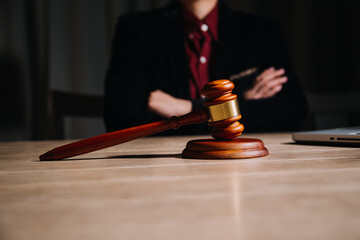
point(225, 48)
point(175, 48)
point(230, 46)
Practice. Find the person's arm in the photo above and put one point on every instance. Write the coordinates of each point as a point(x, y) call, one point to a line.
point(125, 85)
point(275, 102)
point(166, 105)
point(267, 84)
point(130, 98)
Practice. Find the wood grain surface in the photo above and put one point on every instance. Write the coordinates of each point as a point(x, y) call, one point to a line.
point(144, 190)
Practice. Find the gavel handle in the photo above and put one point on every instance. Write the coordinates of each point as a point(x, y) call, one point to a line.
point(121, 136)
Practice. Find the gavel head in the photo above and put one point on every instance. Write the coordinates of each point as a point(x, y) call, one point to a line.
point(224, 112)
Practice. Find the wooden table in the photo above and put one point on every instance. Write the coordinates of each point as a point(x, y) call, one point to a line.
point(145, 190)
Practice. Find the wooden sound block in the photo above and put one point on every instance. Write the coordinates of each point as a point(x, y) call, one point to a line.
point(225, 149)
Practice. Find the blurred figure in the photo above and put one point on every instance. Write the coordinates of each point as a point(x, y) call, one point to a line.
point(162, 58)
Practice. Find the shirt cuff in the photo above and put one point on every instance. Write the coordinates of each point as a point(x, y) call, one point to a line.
point(197, 104)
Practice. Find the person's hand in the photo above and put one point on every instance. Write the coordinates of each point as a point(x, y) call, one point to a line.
point(166, 105)
point(267, 84)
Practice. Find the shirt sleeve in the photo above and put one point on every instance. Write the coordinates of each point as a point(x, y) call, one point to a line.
point(125, 87)
point(287, 110)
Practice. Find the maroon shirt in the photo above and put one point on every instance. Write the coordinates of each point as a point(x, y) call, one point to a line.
point(200, 38)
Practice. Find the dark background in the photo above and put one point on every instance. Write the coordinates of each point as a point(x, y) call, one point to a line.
point(65, 45)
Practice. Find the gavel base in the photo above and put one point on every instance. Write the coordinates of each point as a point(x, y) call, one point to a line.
point(232, 149)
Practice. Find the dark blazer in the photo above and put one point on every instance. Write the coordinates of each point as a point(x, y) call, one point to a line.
point(149, 53)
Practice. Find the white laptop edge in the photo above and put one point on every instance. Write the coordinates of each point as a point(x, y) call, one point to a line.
point(345, 136)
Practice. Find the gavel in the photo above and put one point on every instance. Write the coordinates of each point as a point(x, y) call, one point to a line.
point(222, 113)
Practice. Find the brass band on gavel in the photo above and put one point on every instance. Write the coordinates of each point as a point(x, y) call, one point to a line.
point(224, 110)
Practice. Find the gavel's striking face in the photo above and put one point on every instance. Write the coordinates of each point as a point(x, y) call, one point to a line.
point(224, 112)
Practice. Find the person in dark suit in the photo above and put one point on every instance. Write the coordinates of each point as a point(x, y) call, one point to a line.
point(162, 58)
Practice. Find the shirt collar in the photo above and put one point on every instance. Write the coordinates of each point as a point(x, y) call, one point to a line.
point(192, 23)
